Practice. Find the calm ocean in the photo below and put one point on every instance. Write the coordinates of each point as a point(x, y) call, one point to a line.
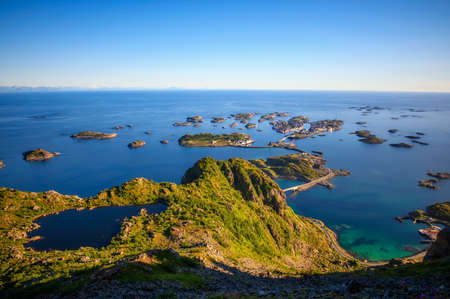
point(360, 209)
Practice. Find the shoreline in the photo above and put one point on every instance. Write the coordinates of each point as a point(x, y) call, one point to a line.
point(345, 253)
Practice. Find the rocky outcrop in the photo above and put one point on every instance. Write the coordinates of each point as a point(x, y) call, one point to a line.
point(39, 155)
point(165, 141)
point(250, 126)
point(392, 131)
point(2, 165)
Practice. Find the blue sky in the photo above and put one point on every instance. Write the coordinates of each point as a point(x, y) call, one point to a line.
point(319, 45)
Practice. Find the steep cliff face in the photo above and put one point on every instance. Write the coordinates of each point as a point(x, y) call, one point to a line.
point(253, 184)
point(441, 247)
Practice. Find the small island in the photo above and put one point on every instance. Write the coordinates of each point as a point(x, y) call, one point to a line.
point(294, 124)
point(211, 140)
point(429, 184)
point(148, 132)
point(272, 116)
point(439, 175)
point(39, 155)
point(420, 142)
point(2, 165)
point(136, 144)
point(234, 125)
point(392, 131)
point(401, 144)
point(165, 141)
point(94, 135)
point(412, 137)
point(185, 124)
point(243, 116)
point(216, 120)
point(318, 127)
point(195, 119)
point(367, 137)
point(250, 126)
point(118, 127)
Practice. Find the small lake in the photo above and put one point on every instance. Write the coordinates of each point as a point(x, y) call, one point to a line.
point(73, 229)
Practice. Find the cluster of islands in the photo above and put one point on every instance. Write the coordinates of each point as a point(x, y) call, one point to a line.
point(226, 226)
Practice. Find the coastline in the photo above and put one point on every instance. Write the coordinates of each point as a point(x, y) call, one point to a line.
point(345, 253)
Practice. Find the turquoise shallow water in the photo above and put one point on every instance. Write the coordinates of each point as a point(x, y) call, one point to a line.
point(360, 208)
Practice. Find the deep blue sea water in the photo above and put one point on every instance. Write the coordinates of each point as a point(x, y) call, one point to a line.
point(360, 208)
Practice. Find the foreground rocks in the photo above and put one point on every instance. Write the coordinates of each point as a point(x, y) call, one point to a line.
point(94, 135)
point(39, 155)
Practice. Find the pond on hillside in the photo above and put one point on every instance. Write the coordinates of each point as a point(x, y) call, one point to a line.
point(73, 229)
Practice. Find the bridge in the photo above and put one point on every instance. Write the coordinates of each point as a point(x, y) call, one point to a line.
point(306, 186)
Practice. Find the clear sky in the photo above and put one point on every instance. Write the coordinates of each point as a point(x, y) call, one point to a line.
point(319, 45)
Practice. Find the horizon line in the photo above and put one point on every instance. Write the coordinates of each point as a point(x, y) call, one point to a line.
point(25, 88)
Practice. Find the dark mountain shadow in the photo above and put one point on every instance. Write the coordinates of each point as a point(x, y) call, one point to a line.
point(166, 274)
